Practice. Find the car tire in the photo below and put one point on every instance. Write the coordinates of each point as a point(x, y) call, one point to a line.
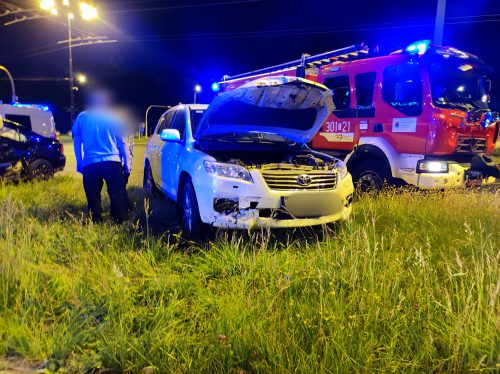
point(189, 213)
point(149, 184)
point(40, 169)
point(370, 176)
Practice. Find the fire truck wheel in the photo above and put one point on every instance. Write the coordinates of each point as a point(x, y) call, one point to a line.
point(370, 176)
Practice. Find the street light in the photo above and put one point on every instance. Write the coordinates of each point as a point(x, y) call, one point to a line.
point(47, 4)
point(81, 78)
point(87, 12)
point(197, 90)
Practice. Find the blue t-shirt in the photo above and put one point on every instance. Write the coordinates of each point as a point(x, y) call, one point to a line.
point(102, 136)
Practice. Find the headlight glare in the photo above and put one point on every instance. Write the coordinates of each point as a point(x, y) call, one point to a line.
point(342, 169)
point(427, 166)
point(232, 171)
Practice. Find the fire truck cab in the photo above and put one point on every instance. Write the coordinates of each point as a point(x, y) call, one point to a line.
point(418, 116)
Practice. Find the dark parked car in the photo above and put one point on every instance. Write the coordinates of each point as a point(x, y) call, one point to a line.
point(28, 155)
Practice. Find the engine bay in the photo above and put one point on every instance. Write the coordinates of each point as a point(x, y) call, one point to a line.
point(281, 161)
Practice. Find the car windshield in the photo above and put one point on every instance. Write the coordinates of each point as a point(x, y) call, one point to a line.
point(458, 86)
point(251, 137)
point(196, 115)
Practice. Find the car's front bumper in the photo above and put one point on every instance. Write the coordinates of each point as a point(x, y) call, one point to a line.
point(455, 177)
point(256, 206)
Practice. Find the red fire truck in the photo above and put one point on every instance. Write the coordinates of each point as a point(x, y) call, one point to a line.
point(418, 116)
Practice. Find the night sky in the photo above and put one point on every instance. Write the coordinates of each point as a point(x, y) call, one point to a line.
point(164, 48)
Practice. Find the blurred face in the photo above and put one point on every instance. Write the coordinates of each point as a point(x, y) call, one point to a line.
point(100, 98)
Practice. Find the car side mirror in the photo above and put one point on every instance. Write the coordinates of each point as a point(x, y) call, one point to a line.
point(170, 135)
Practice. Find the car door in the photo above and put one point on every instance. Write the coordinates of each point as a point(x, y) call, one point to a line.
point(13, 147)
point(155, 146)
point(171, 157)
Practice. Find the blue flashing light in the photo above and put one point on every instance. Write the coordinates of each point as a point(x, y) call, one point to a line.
point(215, 87)
point(419, 47)
point(45, 108)
point(487, 119)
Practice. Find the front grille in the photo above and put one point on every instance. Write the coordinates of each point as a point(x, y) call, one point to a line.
point(471, 145)
point(311, 180)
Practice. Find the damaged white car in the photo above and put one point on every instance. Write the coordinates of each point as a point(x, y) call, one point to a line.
point(243, 162)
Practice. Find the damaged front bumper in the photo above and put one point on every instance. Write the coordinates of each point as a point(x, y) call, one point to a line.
point(231, 204)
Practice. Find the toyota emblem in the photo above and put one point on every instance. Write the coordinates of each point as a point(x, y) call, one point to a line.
point(304, 180)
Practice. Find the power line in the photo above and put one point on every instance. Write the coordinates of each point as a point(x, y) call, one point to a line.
point(285, 32)
point(187, 6)
point(250, 34)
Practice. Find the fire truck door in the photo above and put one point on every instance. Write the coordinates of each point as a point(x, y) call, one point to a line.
point(364, 84)
point(339, 129)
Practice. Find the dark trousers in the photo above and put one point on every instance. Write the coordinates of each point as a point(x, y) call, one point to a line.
point(94, 176)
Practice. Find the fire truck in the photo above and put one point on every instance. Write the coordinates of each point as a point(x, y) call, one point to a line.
point(418, 116)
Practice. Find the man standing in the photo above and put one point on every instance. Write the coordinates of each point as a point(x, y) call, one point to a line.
point(102, 155)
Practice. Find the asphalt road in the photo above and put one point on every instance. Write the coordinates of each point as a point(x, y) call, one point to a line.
point(136, 174)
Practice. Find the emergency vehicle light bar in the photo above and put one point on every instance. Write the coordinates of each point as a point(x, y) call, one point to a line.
point(343, 54)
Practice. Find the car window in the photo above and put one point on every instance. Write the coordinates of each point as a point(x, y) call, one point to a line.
point(402, 88)
point(12, 134)
point(165, 122)
point(24, 121)
point(179, 122)
point(341, 91)
point(196, 116)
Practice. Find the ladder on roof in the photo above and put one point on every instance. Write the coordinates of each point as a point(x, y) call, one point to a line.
point(352, 52)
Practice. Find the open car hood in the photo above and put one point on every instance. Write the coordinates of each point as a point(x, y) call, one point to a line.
point(294, 108)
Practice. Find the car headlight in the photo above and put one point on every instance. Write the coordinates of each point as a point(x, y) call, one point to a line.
point(342, 169)
point(427, 166)
point(228, 170)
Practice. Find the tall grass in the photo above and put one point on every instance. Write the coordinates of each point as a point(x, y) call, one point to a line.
point(410, 284)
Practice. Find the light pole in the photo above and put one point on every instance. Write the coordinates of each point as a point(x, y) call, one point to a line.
point(12, 85)
point(71, 74)
point(197, 90)
point(87, 13)
point(439, 25)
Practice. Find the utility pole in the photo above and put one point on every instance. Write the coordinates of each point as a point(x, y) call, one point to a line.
point(71, 73)
point(439, 25)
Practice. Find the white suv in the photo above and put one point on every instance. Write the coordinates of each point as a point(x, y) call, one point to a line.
point(242, 162)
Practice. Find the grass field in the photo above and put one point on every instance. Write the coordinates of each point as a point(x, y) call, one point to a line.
point(410, 284)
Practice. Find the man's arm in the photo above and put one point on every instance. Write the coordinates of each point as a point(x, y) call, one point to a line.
point(124, 153)
point(77, 144)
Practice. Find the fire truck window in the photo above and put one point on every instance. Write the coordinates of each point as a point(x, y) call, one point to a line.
point(341, 91)
point(365, 84)
point(24, 121)
point(402, 88)
point(179, 122)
